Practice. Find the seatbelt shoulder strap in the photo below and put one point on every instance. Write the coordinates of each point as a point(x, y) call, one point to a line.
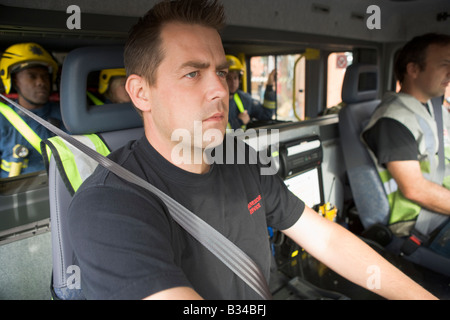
point(437, 108)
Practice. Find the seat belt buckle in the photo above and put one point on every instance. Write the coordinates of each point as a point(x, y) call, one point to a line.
point(413, 242)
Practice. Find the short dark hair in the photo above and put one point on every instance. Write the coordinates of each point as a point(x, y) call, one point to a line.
point(143, 52)
point(415, 51)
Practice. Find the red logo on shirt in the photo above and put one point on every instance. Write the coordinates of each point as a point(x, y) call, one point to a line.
point(254, 204)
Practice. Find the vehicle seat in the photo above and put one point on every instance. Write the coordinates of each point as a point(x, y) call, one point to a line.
point(360, 96)
point(116, 124)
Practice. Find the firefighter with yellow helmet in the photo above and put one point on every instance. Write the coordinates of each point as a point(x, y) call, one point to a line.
point(112, 85)
point(30, 71)
point(243, 108)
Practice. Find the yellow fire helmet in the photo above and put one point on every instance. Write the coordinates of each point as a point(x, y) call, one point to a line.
point(106, 75)
point(234, 64)
point(23, 55)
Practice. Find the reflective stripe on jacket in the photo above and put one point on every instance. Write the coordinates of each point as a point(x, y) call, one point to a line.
point(74, 166)
point(21, 126)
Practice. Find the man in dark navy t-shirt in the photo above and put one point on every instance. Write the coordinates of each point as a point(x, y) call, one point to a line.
point(125, 242)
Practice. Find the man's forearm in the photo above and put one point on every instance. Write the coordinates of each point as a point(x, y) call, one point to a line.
point(350, 257)
point(416, 188)
point(370, 270)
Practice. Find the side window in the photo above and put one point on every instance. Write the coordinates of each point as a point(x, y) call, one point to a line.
point(337, 65)
point(290, 83)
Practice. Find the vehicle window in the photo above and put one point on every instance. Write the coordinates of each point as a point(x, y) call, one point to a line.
point(287, 66)
point(337, 65)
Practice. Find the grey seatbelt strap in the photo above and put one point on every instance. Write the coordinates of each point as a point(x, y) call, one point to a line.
point(437, 108)
point(231, 255)
point(428, 221)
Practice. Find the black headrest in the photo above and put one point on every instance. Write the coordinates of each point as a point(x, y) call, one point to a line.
point(78, 116)
point(360, 83)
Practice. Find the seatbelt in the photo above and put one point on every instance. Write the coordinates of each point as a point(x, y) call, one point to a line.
point(428, 221)
point(437, 106)
point(231, 255)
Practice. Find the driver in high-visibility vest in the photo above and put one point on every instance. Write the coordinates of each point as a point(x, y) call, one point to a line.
point(403, 139)
point(30, 70)
point(243, 108)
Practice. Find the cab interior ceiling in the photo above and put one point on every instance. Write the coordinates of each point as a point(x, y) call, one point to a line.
point(108, 22)
point(23, 24)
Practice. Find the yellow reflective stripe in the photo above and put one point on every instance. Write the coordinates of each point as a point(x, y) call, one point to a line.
point(238, 101)
point(94, 99)
point(98, 144)
point(76, 165)
point(68, 162)
point(6, 166)
point(48, 152)
point(269, 104)
point(21, 126)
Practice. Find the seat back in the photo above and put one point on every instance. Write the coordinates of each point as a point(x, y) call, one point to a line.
point(115, 123)
point(360, 95)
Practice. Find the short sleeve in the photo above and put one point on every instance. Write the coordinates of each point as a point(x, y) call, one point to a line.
point(122, 251)
point(284, 208)
point(390, 140)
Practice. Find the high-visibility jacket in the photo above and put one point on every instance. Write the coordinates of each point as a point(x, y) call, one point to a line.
point(16, 129)
point(421, 123)
point(73, 165)
point(243, 101)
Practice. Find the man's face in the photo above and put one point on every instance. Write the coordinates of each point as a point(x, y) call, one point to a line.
point(435, 77)
point(233, 81)
point(34, 84)
point(190, 88)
